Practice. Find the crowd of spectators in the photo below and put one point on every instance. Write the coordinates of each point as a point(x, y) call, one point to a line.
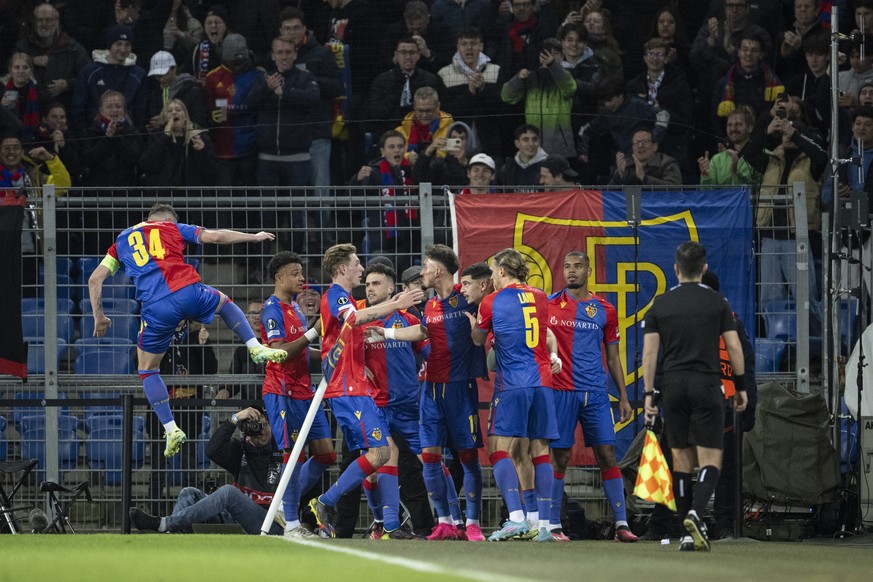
point(300, 92)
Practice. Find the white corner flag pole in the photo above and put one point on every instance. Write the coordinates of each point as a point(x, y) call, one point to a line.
point(292, 460)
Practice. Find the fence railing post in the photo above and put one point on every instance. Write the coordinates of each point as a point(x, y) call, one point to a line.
point(425, 202)
point(50, 295)
point(803, 301)
point(126, 460)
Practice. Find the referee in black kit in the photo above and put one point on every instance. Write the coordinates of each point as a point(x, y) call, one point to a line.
point(685, 323)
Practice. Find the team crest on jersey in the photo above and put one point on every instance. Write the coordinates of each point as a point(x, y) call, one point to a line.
point(591, 310)
point(342, 300)
point(453, 301)
point(377, 434)
point(358, 414)
point(397, 325)
point(271, 324)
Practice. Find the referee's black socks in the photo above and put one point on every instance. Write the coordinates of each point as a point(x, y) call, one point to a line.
point(706, 482)
point(683, 494)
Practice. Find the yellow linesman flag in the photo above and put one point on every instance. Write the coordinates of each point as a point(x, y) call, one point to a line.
point(654, 481)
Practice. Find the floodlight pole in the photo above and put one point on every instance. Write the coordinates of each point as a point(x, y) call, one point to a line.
point(295, 454)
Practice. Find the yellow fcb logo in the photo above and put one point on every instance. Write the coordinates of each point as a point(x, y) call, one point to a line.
point(377, 434)
point(591, 310)
point(453, 301)
point(358, 414)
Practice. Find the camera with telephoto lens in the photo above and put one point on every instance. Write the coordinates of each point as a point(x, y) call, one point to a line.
point(251, 428)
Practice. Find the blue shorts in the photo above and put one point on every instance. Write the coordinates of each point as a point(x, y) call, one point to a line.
point(196, 302)
point(592, 409)
point(403, 422)
point(362, 424)
point(523, 412)
point(286, 417)
point(450, 411)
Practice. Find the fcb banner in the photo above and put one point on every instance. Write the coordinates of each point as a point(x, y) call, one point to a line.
point(628, 271)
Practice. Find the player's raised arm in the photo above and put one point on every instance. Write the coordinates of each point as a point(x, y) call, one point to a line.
point(225, 236)
point(95, 291)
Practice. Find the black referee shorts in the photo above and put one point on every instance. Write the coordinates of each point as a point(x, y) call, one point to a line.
point(693, 411)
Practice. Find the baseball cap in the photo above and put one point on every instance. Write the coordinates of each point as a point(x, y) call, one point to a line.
point(234, 48)
point(557, 165)
point(483, 159)
point(119, 32)
point(161, 62)
point(410, 274)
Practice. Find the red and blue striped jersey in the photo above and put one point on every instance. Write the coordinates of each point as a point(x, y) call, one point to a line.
point(153, 256)
point(336, 305)
point(393, 363)
point(518, 316)
point(347, 373)
point(281, 322)
point(453, 355)
point(582, 328)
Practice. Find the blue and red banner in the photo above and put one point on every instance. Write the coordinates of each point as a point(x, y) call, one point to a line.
point(629, 269)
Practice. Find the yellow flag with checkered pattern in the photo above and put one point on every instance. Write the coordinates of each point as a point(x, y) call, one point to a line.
point(654, 481)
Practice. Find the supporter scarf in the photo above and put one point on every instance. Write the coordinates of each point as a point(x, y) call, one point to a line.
point(518, 31)
point(421, 133)
point(772, 88)
point(30, 115)
point(103, 123)
point(388, 181)
point(462, 66)
point(202, 59)
point(10, 184)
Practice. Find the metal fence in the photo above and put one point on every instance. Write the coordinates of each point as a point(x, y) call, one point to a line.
point(75, 229)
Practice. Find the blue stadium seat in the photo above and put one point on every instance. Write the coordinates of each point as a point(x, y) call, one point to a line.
point(781, 320)
point(123, 327)
point(768, 355)
point(193, 262)
point(36, 359)
point(33, 439)
point(95, 411)
point(108, 360)
point(110, 306)
point(3, 445)
point(33, 325)
point(66, 285)
point(95, 344)
point(103, 447)
point(37, 305)
point(19, 412)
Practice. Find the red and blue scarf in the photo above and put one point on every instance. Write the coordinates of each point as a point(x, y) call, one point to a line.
point(388, 180)
point(30, 116)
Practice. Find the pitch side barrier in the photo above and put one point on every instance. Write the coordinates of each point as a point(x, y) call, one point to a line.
point(72, 232)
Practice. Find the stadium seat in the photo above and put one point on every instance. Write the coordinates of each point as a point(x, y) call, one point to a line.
point(19, 412)
point(109, 360)
point(36, 359)
point(781, 320)
point(3, 444)
point(33, 439)
point(33, 325)
point(95, 344)
point(66, 286)
point(193, 262)
point(104, 444)
point(37, 305)
point(95, 411)
point(768, 355)
point(123, 327)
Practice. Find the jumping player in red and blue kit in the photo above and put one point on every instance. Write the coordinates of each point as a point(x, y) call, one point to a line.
point(397, 390)
point(170, 291)
point(584, 324)
point(522, 406)
point(450, 399)
point(349, 389)
point(287, 386)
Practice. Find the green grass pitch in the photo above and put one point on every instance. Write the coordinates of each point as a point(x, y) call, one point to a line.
point(214, 558)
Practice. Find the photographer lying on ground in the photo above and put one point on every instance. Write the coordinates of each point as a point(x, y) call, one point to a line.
point(256, 465)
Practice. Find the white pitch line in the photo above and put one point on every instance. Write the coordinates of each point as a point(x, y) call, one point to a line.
point(416, 565)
